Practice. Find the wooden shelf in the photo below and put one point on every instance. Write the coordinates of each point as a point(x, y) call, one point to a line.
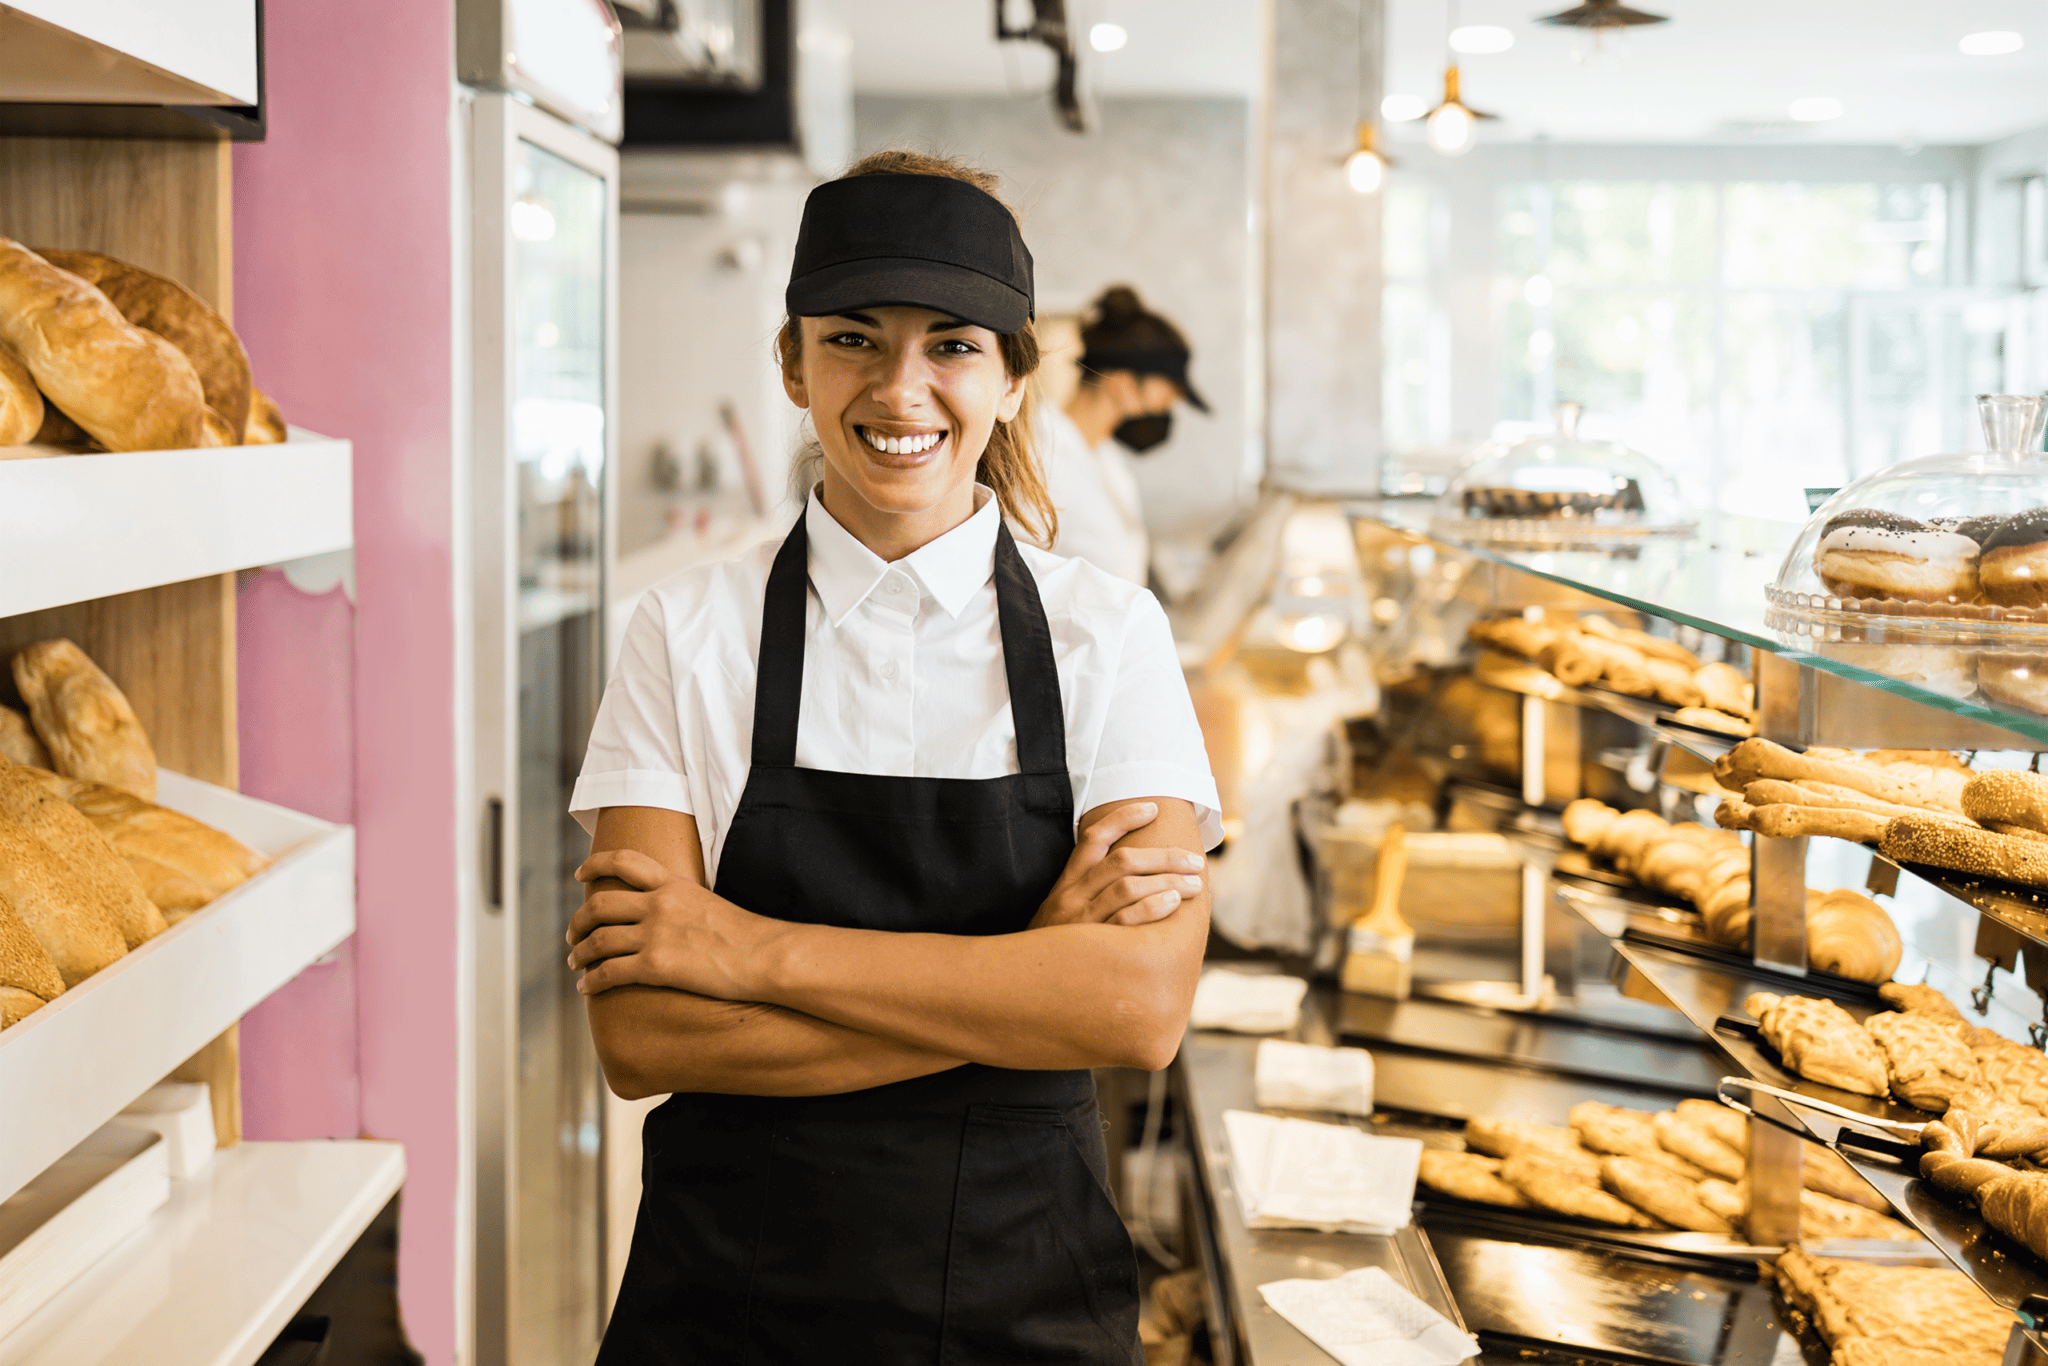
point(71, 1066)
point(216, 1273)
point(77, 527)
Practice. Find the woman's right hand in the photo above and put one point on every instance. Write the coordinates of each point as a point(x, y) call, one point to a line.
point(1131, 886)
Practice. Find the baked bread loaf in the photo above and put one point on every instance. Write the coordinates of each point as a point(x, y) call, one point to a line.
point(1930, 1066)
point(18, 741)
point(2008, 797)
point(126, 386)
point(83, 719)
point(1966, 849)
point(180, 318)
point(98, 871)
point(21, 403)
point(1468, 1176)
point(1850, 935)
point(1820, 1041)
point(266, 423)
point(167, 848)
point(1924, 787)
point(58, 908)
point(28, 979)
point(1798, 822)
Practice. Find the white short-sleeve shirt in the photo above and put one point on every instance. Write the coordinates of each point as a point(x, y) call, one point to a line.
point(903, 675)
point(1096, 494)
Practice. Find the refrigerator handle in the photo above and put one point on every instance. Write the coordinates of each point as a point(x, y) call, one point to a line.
point(494, 854)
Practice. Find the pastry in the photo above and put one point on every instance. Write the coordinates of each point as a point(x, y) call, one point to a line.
point(1850, 935)
point(1875, 1315)
point(1778, 792)
point(1871, 554)
point(1642, 642)
point(266, 423)
point(1965, 849)
point(1925, 787)
point(1620, 1132)
point(73, 929)
point(2014, 565)
point(1798, 822)
point(1661, 1193)
point(1516, 635)
point(180, 318)
point(2008, 797)
point(1673, 683)
point(1585, 819)
point(1697, 1145)
point(1468, 1176)
point(1929, 1065)
point(2014, 1073)
point(97, 870)
point(1820, 1041)
point(28, 979)
point(1827, 1172)
point(2014, 680)
point(1557, 1185)
point(173, 844)
point(86, 722)
point(1709, 718)
point(18, 741)
point(1723, 1123)
point(1724, 688)
point(1506, 1137)
point(1579, 660)
point(126, 386)
point(1823, 1216)
point(21, 403)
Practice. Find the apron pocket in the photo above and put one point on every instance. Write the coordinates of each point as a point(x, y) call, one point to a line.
point(1040, 1268)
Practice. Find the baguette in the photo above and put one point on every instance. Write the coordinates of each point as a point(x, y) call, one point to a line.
point(99, 872)
point(73, 929)
point(21, 403)
point(171, 841)
point(1921, 787)
point(1966, 849)
point(18, 742)
point(1777, 792)
point(127, 387)
point(1783, 821)
point(86, 722)
point(180, 318)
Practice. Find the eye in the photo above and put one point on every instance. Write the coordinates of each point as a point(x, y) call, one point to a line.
point(849, 340)
point(954, 346)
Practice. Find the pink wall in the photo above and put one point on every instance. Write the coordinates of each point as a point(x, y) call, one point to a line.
point(342, 295)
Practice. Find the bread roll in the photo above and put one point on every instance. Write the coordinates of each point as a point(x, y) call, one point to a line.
point(18, 742)
point(25, 969)
point(266, 424)
point(1673, 682)
point(21, 403)
point(100, 872)
point(126, 386)
point(1850, 935)
point(59, 430)
point(1724, 688)
point(2008, 798)
point(59, 910)
point(173, 893)
point(169, 841)
point(86, 722)
point(180, 318)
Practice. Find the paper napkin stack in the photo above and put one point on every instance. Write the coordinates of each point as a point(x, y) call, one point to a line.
point(1295, 1173)
point(1366, 1318)
point(1302, 1076)
point(1250, 1003)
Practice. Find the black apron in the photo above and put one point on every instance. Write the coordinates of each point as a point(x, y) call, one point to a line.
point(950, 1220)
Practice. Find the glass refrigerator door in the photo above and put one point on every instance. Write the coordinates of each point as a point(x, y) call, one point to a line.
point(558, 323)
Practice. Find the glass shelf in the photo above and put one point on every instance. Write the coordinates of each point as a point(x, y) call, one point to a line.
point(1903, 679)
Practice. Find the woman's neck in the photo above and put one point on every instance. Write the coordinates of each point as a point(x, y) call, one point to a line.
point(1093, 411)
point(892, 535)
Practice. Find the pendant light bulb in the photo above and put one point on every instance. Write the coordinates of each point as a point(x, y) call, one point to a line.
point(1452, 125)
point(1366, 168)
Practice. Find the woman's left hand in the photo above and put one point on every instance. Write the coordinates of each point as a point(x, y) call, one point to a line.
point(660, 930)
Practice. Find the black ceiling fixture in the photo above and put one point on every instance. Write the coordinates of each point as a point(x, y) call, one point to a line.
point(1049, 26)
point(1603, 14)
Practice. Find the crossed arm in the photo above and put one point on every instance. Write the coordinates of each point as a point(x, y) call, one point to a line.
point(688, 992)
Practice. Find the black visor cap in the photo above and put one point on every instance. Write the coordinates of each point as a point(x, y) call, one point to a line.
point(924, 241)
point(1166, 362)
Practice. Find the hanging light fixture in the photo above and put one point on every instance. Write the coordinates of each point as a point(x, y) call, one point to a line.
point(1453, 124)
point(1366, 167)
point(1598, 27)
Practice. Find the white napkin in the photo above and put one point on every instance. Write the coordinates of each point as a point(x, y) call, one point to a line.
point(1306, 1076)
point(1296, 1173)
point(1366, 1318)
point(1250, 1003)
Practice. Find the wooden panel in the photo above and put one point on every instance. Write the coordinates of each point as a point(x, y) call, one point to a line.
point(163, 206)
point(172, 650)
point(219, 1065)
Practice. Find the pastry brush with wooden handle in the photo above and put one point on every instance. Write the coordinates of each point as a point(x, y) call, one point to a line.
point(1382, 943)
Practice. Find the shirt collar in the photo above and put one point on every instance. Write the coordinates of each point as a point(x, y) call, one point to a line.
point(951, 569)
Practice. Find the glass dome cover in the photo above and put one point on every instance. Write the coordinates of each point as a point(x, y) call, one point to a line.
point(1953, 544)
point(1560, 489)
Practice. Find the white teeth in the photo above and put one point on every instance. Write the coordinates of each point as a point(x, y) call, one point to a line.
point(902, 445)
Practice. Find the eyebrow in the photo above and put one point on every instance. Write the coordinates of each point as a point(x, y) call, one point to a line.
point(943, 325)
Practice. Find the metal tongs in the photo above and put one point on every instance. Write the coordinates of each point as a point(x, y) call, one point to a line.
point(1755, 1088)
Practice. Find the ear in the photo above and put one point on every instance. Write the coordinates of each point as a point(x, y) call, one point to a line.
point(1125, 392)
point(793, 380)
point(1013, 398)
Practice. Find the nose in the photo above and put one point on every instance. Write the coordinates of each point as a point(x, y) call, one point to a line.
point(904, 381)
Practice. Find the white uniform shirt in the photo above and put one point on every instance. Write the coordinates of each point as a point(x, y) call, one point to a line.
point(1096, 494)
point(903, 674)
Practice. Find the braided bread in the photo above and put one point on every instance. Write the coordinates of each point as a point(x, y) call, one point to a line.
point(1820, 1041)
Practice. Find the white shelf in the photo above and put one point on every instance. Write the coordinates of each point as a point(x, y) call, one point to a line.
point(74, 527)
point(215, 1274)
point(129, 51)
point(71, 1066)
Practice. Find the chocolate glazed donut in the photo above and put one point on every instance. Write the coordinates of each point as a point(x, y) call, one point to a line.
point(1870, 553)
point(2014, 566)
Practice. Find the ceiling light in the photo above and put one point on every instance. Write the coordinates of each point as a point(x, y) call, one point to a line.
point(1107, 37)
point(1366, 168)
point(1996, 43)
point(1453, 123)
point(1814, 109)
point(1598, 27)
point(1481, 38)
point(1402, 108)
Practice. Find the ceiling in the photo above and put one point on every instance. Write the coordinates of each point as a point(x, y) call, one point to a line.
point(1726, 71)
point(1720, 71)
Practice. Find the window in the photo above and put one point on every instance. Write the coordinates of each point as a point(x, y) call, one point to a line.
point(1415, 334)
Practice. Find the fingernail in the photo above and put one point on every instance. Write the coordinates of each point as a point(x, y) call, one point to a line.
point(1192, 862)
point(1192, 884)
point(1147, 806)
point(1172, 900)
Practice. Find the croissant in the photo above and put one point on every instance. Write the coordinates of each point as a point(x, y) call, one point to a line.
point(1820, 1041)
point(1850, 935)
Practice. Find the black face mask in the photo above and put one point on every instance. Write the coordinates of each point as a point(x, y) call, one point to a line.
point(1143, 432)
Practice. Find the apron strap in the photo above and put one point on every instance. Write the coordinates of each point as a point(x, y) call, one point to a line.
point(1028, 662)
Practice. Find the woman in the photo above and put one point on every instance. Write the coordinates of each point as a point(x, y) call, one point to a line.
point(877, 1021)
point(1134, 364)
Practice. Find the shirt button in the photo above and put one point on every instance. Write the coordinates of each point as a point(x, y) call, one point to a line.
point(889, 670)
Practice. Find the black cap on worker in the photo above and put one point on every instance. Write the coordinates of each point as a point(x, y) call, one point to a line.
point(1169, 362)
point(923, 240)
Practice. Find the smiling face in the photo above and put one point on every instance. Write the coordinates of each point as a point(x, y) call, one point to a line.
point(903, 400)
